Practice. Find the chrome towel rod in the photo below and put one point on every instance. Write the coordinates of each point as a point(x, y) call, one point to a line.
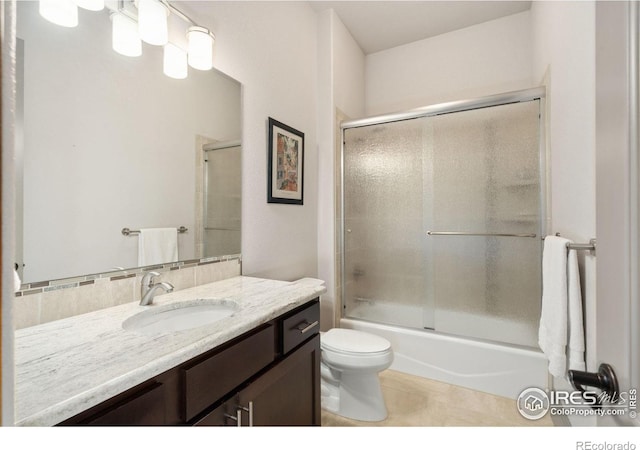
point(591, 246)
point(465, 233)
point(128, 232)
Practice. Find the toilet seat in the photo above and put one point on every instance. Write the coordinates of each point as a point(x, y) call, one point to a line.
point(353, 342)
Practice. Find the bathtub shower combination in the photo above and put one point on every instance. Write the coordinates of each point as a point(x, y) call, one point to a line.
point(443, 210)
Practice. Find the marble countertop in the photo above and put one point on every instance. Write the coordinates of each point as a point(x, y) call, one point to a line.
point(65, 367)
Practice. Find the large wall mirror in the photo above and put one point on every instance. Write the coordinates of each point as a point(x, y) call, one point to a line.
point(106, 142)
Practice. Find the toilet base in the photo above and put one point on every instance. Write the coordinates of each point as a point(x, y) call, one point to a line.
point(356, 395)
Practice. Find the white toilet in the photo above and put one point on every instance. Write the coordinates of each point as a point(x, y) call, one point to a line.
point(351, 361)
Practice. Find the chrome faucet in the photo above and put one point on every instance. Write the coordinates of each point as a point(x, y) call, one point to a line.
point(148, 288)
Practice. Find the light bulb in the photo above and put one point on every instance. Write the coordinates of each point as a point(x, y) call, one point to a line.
point(91, 5)
point(200, 48)
point(60, 12)
point(175, 62)
point(124, 35)
point(152, 22)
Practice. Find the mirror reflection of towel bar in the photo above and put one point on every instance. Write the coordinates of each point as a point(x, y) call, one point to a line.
point(129, 232)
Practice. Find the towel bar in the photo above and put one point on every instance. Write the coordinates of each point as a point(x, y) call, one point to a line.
point(465, 233)
point(129, 232)
point(591, 246)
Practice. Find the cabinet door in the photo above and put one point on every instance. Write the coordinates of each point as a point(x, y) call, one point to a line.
point(289, 393)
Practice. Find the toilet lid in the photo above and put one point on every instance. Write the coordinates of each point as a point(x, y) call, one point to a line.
point(353, 341)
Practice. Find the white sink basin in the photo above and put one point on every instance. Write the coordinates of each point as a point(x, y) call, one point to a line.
point(179, 316)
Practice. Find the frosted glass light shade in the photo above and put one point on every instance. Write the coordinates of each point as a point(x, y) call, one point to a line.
point(200, 48)
point(152, 22)
point(124, 35)
point(91, 5)
point(175, 62)
point(60, 12)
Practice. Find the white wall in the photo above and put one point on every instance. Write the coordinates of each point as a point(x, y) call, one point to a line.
point(271, 48)
point(340, 86)
point(348, 71)
point(564, 45)
point(564, 53)
point(564, 56)
point(484, 59)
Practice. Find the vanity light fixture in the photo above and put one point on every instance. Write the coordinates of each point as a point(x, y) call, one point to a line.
point(60, 12)
point(124, 35)
point(175, 62)
point(134, 21)
point(91, 5)
point(152, 22)
point(200, 47)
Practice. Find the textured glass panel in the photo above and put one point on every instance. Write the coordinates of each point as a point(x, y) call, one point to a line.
point(222, 202)
point(485, 179)
point(383, 207)
point(475, 172)
point(222, 242)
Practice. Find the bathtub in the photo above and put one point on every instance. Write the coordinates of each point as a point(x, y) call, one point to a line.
point(483, 366)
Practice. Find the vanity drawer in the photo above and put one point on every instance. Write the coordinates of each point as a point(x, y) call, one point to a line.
point(143, 407)
point(300, 326)
point(208, 380)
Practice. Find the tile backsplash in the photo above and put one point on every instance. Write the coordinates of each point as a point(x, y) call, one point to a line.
point(45, 302)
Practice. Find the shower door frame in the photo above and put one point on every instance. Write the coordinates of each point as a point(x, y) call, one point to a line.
point(203, 204)
point(526, 95)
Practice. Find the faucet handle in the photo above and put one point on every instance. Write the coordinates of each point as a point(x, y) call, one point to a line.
point(148, 277)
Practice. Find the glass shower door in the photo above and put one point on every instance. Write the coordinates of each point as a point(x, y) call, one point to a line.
point(384, 255)
point(442, 222)
point(222, 200)
point(483, 222)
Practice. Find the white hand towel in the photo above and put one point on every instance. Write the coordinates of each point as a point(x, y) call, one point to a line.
point(17, 283)
point(157, 246)
point(561, 316)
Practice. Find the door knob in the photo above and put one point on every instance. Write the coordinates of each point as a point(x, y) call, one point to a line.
point(604, 379)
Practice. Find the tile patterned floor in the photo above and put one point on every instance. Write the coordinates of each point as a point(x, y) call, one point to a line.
point(418, 402)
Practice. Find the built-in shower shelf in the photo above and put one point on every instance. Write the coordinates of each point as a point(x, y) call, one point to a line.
point(518, 219)
point(521, 184)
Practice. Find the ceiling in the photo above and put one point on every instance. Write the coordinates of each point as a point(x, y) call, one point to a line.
point(380, 25)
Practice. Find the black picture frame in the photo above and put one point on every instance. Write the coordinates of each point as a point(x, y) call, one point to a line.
point(285, 177)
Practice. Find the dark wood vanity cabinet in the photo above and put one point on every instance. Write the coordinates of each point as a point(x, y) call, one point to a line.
point(287, 394)
point(268, 376)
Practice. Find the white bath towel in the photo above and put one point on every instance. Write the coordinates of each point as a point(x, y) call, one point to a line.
point(157, 246)
point(561, 329)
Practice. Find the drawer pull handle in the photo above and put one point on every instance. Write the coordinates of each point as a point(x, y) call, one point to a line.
point(306, 326)
point(249, 409)
point(237, 418)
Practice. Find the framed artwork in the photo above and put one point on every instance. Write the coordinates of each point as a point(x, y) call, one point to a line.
point(286, 164)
